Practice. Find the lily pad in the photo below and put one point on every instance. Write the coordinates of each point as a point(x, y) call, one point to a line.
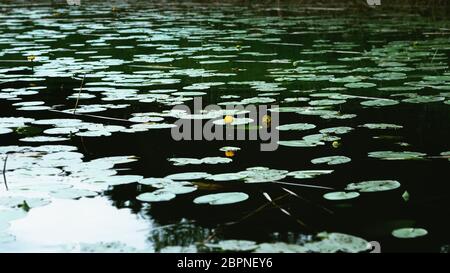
point(280, 247)
point(408, 233)
point(296, 127)
point(263, 174)
point(336, 130)
point(308, 173)
point(379, 102)
point(381, 126)
point(374, 186)
point(188, 176)
point(226, 177)
point(331, 160)
point(360, 85)
point(234, 245)
point(392, 155)
point(156, 196)
point(221, 198)
point(340, 195)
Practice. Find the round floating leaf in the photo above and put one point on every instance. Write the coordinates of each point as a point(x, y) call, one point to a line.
point(308, 174)
point(340, 195)
point(446, 154)
point(121, 179)
point(336, 130)
point(43, 139)
point(360, 85)
point(408, 233)
point(381, 126)
point(379, 102)
point(234, 245)
point(391, 155)
point(156, 182)
point(262, 174)
point(338, 242)
point(156, 196)
point(300, 143)
point(320, 138)
point(296, 126)
point(221, 198)
point(331, 160)
point(424, 99)
point(280, 247)
point(326, 102)
point(229, 148)
point(188, 176)
point(226, 177)
point(373, 186)
point(176, 188)
point(5, 131)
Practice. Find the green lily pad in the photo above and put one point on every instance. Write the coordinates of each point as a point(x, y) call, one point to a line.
point(340, 195)
point(229, 148)
point(226, 177)
point(331, 160)
point(156, 196)
point(381, 126)
point(424, 99)
point(195, 161)
point(234, 245)
point(188, 176)
point(262, 174)
point(391, 155)
point(221, 198)
point(374, 186)
point(408, 233)
point(338, 242)
point(280, 247)
point(380, 102)
point(308, 173)
point(296, 126)
point(300, 143)
point(360, 85)
point(4, 131)
point(336, 130)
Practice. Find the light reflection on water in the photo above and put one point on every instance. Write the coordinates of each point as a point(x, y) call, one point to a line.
point(88, 220)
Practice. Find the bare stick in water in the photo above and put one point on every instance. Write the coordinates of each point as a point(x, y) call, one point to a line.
point(4, 172)
point(79, 94)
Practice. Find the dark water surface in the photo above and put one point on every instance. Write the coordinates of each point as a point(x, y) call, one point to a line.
point(137, 56)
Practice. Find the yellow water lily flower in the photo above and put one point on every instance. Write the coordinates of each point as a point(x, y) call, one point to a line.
point(228, 119)
point(266, 120)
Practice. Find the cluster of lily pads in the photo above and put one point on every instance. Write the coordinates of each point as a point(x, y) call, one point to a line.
point(146, 59)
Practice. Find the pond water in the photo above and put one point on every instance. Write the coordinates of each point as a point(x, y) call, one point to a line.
point(89, 159)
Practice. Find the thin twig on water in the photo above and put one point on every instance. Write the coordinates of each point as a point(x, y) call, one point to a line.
point(79, 94)
point(284, 211)
point(4, 172)
point(94, 116)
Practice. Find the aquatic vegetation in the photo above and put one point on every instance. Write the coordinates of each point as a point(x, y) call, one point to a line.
point(221, 198)
point(373, 186)
point(75, 92)
point(331, 160)
point(407, 233)
point(340, 195)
